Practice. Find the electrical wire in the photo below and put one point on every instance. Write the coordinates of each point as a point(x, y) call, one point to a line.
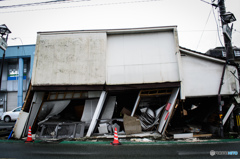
point(217, 27)
point(206, 2)
point(23, 49)
point(38, 3)
point(194, 30)
point(213, 4)
point(87, 5)
point(204, 28)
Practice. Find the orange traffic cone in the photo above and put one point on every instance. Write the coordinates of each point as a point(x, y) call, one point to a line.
point(115, 141)
point(29, 138)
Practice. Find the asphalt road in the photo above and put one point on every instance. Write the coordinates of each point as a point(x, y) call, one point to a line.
point(6, 128)
point(49, 150)
point(72, 151)
point(11, 123)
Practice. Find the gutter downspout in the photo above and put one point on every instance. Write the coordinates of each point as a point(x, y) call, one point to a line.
point(31, 65)
point(3, 58)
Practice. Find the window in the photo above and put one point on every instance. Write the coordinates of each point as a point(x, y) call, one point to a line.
point(17, 110)
point(237, 53)
point(223, 53)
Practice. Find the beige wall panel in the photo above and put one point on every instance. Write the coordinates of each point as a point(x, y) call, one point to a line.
point(70, 59)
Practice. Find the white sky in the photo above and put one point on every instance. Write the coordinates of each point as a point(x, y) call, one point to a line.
point(195, 30)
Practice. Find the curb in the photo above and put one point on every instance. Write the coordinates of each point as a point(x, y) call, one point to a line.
point(131, 142)
point(154, 142)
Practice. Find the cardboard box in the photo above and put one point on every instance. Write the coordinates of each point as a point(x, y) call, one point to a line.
point(132, 125)
point(185, 112)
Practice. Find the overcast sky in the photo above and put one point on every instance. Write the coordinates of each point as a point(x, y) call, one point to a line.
point(197, 27)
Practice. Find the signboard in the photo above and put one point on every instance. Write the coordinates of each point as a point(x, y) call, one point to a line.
point(13, 73)
point(227, 31)
point(3, 44)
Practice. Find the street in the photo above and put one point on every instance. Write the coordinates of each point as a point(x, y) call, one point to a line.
point(6, 128)
point(58, 150)
point(102, 151)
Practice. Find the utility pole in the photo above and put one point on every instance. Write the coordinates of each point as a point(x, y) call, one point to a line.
point(226, 17)
point(4, 31)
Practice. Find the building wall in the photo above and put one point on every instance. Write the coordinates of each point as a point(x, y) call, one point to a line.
point(9, 87)
point(114, 57)
point(142, 58)
point(4, 76)
point(12, 100)
point(70, 59)
point(10, 68)
point(10, 79)
point(202, 77)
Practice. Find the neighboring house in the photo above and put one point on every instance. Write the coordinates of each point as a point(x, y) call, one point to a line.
point(202, 74)
point(220, 52)
point(10, 87)
point(93, 75)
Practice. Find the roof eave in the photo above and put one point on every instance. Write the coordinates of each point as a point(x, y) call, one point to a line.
point(202, 56)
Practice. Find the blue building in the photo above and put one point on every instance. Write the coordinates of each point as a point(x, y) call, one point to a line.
point(17, 70)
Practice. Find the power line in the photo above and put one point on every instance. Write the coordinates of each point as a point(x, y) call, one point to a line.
point(217, 27)
point(87, 5)
point(38, 3)
point(204, 29)
point(215, 5)
point(195, 30)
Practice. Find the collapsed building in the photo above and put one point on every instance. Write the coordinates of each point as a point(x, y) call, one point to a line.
point(86, 83)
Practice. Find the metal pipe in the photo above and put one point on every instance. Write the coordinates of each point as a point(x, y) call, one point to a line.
point(97, 113)
point(5, 102)
point(31, 64)
point(20, 82)
point(136, 103)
